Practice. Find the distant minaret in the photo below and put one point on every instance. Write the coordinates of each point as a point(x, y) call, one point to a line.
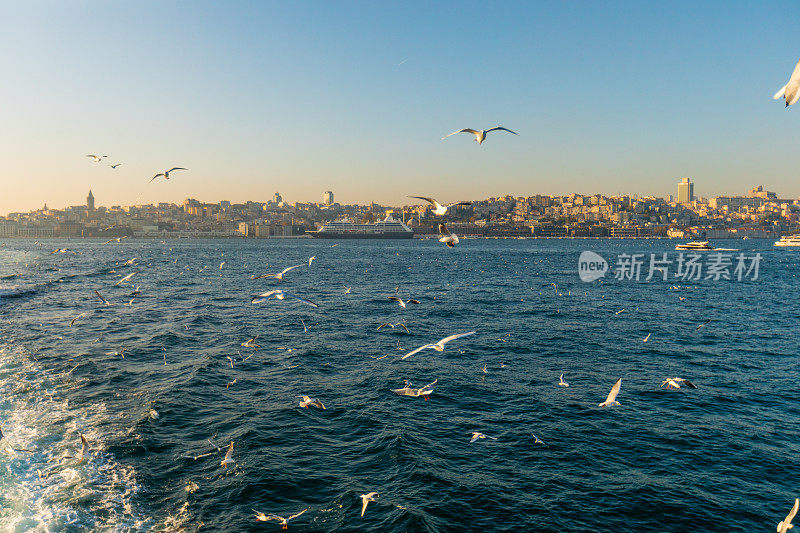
point(90, 201)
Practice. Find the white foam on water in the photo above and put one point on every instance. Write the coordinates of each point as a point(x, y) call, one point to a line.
point(96, 494)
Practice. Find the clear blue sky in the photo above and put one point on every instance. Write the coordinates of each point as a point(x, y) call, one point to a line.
point(302, 97)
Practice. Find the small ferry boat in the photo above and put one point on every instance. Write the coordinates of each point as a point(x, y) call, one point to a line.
point(695, 245)
point(789, 240)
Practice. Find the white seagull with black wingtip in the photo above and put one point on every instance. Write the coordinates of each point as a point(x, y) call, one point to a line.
point(439, 346)
point(480, 135)
point(165, 174)
point(439, 209)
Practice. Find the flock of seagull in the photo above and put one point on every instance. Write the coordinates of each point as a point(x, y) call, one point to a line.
point(789, 92)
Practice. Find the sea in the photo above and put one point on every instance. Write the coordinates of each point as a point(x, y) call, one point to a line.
point(158, 378)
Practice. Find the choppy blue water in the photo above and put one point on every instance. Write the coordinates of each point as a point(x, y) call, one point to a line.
point(722, 457)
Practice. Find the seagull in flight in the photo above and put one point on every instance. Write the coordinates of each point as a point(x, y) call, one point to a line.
point(561, 382)
point(261, 517)
point(786, 524)
point(251, 343)
point(279, 295)
point(480, 135)
point(440, 209)
point(97, 158)
point(791, 91)
point(416, 393)
point(393, 325)
point(228, 460)
point(675, 383)
point(126, 278)
point(450, 239)
point(76, 318)
point(478, 435)
point(612, 396)
point(439, 346)
point(103, 299)
point(311, 401)
point(537, 440)
point(311, 259)
point(703, 324)
point(347, 290)
point(115, 166)
point(365, 499)
point(279, 275)
point(401, 302)
point(166, 173)
point(646, 338)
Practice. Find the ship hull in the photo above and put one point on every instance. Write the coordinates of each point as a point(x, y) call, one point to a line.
point(331, 235)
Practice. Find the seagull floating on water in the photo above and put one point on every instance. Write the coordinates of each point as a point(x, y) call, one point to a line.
point(416, 393)
point(279, 295)
point(561, 382)
point(439, 346)
point(365, 499)
point(480, 135)
point(261, 517)
point(166, 173)
point(440, 209)
point(791, 91)
point(450, 239)
point(786, 524)
point(612, 396)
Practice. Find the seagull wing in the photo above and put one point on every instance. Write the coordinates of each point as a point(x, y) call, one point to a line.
point(427, 389)
point(475, 436)
point(296, 515)
point(454, 337)
point(502, 129)
point(99, 296)
point(794, 510)
point(229, 452)
point(385, 324)
point(412, 301)
point(792, 89)
point(175, 168)
point(395, 298)
point(458, 203)
point(157, 175)
point(687, 383)
point(404, 327)
point(443, 230)
point(778, 95)
point(364, 502)
point(298, 298)
point(612, 396)
point(405, 391)
point(465, 130)
point(409, 354)
point(429, 200)
point(285, 270)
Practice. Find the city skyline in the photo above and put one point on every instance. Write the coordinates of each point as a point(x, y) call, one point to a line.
point(310, 98)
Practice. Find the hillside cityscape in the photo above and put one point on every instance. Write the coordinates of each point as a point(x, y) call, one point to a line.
point(759, 214)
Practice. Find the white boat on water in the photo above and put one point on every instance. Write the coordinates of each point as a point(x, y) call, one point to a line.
point(695, 245)
point(789, 240)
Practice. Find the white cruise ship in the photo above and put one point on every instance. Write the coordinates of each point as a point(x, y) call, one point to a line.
point(789, 240)
point(389, 228)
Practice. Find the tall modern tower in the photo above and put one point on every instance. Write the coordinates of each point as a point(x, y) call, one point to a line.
point(685, 191)
point(90, 201)
point(328, 198)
